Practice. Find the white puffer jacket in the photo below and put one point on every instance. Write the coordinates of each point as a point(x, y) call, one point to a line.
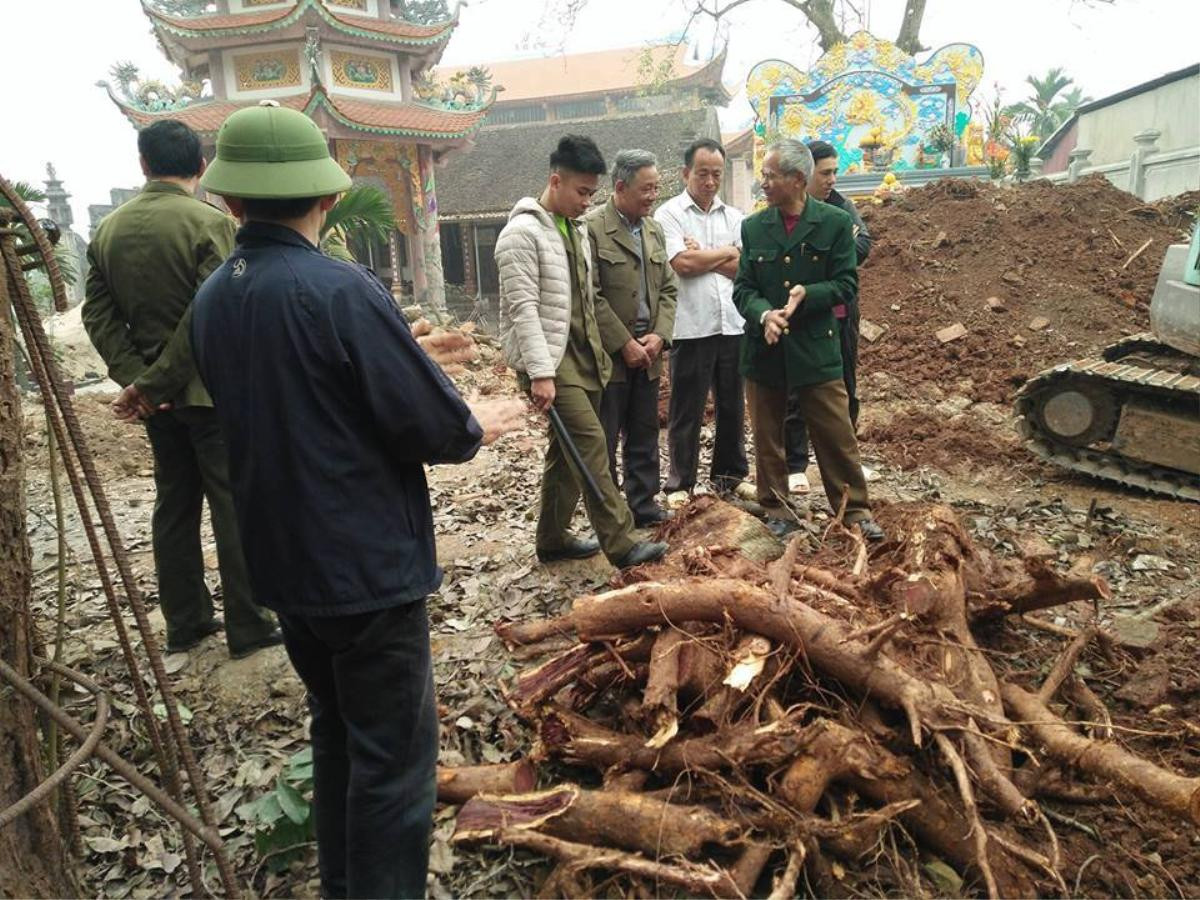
point(535, 289)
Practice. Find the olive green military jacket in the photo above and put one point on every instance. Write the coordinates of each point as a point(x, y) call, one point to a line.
point(819, 254)
point(145, 263)
point(617, 276)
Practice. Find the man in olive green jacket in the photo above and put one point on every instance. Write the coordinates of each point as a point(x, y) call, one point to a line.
point(633, 275)
point(798, 263)
point(146, 261)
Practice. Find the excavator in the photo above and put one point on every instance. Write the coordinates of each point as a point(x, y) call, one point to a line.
point(1132, 414)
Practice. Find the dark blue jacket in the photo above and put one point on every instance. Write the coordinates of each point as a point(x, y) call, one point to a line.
point(329, 408)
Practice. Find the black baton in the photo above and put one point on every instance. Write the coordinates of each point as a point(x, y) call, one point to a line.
point(560, 430)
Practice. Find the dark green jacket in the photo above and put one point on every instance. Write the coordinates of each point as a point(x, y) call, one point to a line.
point(819, 253)
point(146, 261)
point(617, 276)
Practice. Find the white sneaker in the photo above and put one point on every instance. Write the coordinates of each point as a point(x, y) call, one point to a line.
point(870, 474)
point(798, 483)
point(676, 499)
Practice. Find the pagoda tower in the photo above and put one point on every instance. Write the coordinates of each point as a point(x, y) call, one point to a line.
point(350, 65)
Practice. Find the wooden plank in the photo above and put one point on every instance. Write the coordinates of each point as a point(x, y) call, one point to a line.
point(1156, 436)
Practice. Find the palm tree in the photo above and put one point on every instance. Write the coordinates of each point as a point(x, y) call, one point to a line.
point(363, 212)
point(1044, 110)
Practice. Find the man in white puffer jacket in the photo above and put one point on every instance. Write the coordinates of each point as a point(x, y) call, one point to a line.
point(550, 336)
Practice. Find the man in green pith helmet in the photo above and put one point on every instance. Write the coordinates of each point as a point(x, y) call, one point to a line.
point(332, 411)
point(146, 262)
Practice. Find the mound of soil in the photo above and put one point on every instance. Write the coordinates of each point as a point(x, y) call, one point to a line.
point(1063, 253)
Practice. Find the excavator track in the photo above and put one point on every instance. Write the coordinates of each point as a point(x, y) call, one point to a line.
point(1127, 381)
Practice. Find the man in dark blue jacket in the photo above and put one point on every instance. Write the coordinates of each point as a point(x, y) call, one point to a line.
point(330, 410)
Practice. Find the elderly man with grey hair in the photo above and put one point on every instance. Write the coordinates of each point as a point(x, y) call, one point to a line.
point(632, 273)
point(798, 263)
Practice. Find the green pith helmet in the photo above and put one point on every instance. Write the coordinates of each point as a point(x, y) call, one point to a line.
point(272, 152)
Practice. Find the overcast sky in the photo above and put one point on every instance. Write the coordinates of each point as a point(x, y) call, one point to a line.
point(54, 52)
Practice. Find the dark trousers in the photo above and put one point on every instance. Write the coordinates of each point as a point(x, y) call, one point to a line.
point(697, 366)
point(190, 464)
point(797, 430)
point(375, 746)
point(629, 414)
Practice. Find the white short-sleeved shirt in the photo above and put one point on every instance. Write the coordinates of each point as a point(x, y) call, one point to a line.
point(705, 305)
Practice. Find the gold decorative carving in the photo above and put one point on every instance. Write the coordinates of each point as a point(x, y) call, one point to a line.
point(249, 3)
point(350, 4)
point(261, 71)
point(391, 163)
point(359, 70)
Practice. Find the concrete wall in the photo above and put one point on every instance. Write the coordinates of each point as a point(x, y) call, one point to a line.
point(1173, 109)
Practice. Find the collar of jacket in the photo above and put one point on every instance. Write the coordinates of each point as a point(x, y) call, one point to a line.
point(615, 227)
point(809, 219)
point(165, 187)
point(271, 233)
point(836, 199)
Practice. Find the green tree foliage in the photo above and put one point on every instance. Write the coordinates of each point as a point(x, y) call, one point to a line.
point(1049, 103)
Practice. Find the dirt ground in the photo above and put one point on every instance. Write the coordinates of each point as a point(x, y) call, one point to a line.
point(936, 425)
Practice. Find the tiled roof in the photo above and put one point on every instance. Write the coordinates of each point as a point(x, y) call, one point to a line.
point(410, 118)
point(223, 25)
point(380, 117)
point(590, 73)
point(506, 164)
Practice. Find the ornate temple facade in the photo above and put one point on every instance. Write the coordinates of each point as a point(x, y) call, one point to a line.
point(351, 66)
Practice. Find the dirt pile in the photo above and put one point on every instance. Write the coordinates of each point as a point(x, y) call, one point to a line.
point(1065, 254)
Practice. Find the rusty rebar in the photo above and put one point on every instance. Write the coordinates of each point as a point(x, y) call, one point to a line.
point(48, 376)
point(21, 305)
point(43, 790)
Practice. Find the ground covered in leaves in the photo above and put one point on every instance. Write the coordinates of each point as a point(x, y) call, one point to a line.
point(935, 423)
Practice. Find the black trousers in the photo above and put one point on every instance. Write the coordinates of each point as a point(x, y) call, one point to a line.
point(375, 746)
point(795, 430)
point(190, 464)
point(697, 366)
point(629, 414)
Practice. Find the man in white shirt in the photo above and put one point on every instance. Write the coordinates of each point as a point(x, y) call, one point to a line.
point(703, 237)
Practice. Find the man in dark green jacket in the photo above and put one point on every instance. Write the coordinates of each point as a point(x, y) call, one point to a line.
point(146, 261)
point(797, 264)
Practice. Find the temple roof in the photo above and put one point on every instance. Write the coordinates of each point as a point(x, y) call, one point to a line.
point(601, 72)
point(508, 163)
point(197, 31)
point(394, 119)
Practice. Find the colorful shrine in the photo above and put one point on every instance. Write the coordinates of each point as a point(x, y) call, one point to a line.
point(350, 65)
point(880, 108)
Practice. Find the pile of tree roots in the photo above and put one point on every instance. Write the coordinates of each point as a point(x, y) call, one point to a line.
point(729, 724)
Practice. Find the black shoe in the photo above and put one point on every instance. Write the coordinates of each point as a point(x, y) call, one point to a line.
point(572, 548)
point(781, 528)
point(656, 516)
point(272, 639)
point(642, 552)
point(188, 643)
point(870, 530)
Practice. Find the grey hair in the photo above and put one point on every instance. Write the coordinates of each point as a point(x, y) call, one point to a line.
point(629, 162)
point(794, 157)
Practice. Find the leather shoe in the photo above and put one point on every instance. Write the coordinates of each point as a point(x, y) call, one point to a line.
point(572, 548)
point(656, 516)
point(642, 552)
point(870, 530)
point(188, 643)
point(272, 639)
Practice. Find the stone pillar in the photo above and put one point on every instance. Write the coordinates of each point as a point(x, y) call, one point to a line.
point(406, 91)
point(1145, 141)
point(433, 297)
point(470, 276)
point(1035, 167)
point(1078, 161)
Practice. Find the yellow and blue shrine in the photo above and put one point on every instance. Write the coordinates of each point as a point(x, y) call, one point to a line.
point(875, 103)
